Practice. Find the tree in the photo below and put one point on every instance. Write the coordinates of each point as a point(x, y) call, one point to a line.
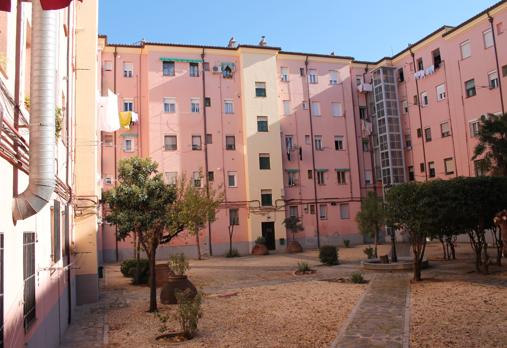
point(492, 147)
point(143, 203)
point(294, 225)
point(371, 217)
point(196, 207)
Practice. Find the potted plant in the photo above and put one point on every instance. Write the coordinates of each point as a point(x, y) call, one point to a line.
point(260, 247)
point(294, 225)
point(177, 282)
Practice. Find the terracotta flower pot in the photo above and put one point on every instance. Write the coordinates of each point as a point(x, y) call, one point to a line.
point(260, 249)
point(162, 273)
point(294, 247)
point(175, 283)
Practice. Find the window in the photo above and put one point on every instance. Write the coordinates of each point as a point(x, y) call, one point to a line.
point(338, 143)
point(344, 211)
point(420, 65)
point(211, 176)
point(233, 216)
point(401, 75)
point(470, 88)
point(422, 167)
point(128, 105)
point(427, 134)
point(445, 130)
point(404, 106)
point(228, 106)
point(411, 174)
point(504, 70)
point(366, 144)
point(108, 180)
point(288, 145)
point(368, 177)
point(333, 77)
point(293, 211)
point(408, 140)
point(441, 93)
point(286, 107)
point(305, 105)
point(321, 179)
point(128, 144)
point(170, 105)
point(108, 65)
point(466, 49)
point(230, 142)
point(312, 76)
point(266, 198)
point(363, 112)
point(449, 166)
point(323, 211)
point(359, 80)
point(209, 139)
point(171, 177)
point(29, 279)
point(431, 167)
point(55, 231)
point(474, 128)
point(315, 108)
point(284, 72)
point(437, 58)
point(416, 100)
point(194, 105)
point(262, 124)
point(260, 89)
point(291, 178)
point(107, 140)
point(170, 143)
point(307, 139)
point(168, 68)
point(264, 162)
point(341, 176)
point(487, 37)
point(193, 69)
point(499, 28)
point(196, 142)
point(479, 168)
point(301, 71)
point(207, 102)
point(493, 79)
point(424, 99)
point(310, 174)
point(318, 143)
point(312, 209)
point(196, 178)
point(232, 179)
point(128, 69)
point(205, 66)
point(337, 109)
point(419, 132)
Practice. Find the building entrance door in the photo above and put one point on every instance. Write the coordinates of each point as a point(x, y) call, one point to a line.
point(268, 232)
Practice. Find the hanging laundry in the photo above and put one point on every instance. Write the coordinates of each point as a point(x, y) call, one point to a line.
point(135, 117)
point(108, 112)
point(430, 70)
point(125, 119)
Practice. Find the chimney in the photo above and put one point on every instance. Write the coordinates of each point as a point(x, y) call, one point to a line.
point(263, 41)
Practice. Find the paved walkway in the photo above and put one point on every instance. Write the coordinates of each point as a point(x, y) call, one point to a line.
point(381, 317)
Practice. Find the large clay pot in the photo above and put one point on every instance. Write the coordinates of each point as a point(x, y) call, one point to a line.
point(294, 247)
point(162, 273)
point(260, 249)
point(174, 283)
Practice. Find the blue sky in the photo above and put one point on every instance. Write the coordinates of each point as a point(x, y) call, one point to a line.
point(364, 29)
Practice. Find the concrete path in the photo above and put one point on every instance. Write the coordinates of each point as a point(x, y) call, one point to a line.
point(381, 318)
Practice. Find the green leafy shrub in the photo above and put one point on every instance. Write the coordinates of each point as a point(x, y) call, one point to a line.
point(232, 253)
point(346, 242)
point(128, 269)
point(179, 264)
point(189, 311)
point(260, 240)
point(303, 267)
point(328, 255)
point(357, 278)
point(369, 251)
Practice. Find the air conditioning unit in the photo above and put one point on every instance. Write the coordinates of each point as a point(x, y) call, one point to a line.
point(217, 69)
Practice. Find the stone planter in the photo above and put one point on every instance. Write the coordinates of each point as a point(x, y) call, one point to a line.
point(175, 283)
point(294, 247)
point(162, 273)
point(260, 249)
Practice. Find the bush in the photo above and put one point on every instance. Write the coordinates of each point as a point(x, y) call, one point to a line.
point(357, 278)
point(328, 255)
point(303, 267)
point(232, 253)
point(178, 264)
point(128, 269)
point(260, 240)
point(189, 311)
point(346, 242)
point(369, 251)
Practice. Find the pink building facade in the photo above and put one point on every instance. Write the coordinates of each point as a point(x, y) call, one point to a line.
point(308, 135)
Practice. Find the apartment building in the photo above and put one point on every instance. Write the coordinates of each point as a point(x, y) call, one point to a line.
point(41, 247)
point(300, 134)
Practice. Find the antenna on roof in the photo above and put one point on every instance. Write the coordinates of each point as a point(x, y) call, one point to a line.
point(332, 53)
point(232, 42)
point(263, 41)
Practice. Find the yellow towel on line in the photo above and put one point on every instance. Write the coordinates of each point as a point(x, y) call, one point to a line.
point(125, 119)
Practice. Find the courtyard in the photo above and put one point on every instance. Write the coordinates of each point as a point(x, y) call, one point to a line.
point(254, 301)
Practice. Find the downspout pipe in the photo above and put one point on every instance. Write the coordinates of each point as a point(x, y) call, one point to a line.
point(491, 24)
point(42, 116)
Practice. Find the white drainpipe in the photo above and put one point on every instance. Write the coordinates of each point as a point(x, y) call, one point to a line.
point(42, 116)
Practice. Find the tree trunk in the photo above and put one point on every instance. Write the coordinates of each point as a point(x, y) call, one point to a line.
point(231, 231)
point(486, 258)
point(153, 280)
point(137, 276)
point(443, 248)
point(198, 246)
point(375, 239)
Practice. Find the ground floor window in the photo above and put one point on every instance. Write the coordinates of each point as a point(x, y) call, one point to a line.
point(29, 279)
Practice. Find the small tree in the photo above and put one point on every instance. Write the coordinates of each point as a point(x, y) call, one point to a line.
point(371, 217)
point(492, 147)
point(233, 221)
point(294, 225)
